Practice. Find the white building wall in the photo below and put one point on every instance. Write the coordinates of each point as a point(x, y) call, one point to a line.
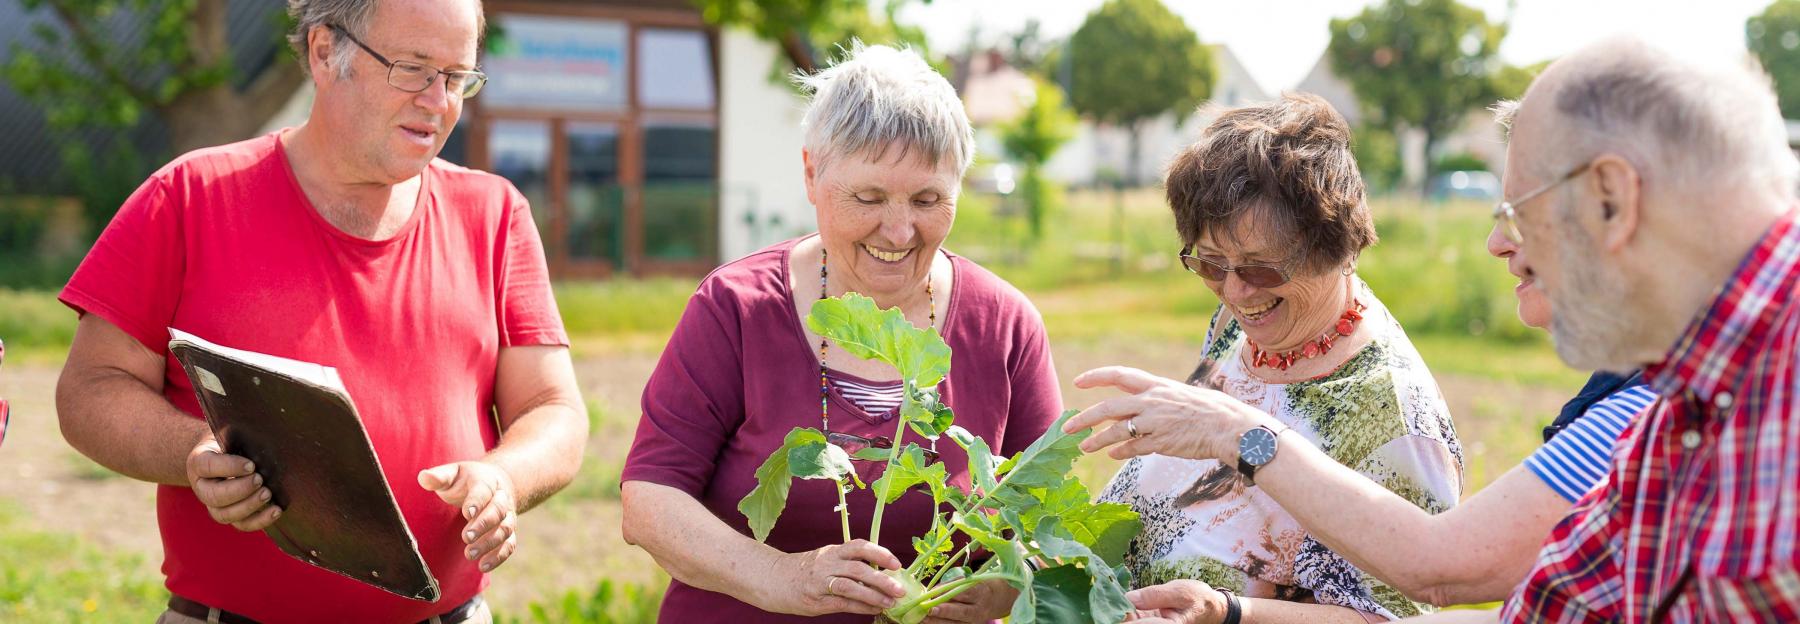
point(762, 197)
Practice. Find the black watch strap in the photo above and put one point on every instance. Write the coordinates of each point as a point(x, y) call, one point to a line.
point(1234, 612)
point(1248, 470)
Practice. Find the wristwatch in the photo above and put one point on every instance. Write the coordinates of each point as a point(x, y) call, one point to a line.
point(1256, 448)
point(1234, 612)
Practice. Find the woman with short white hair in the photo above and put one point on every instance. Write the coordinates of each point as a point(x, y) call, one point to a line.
point(886, 145)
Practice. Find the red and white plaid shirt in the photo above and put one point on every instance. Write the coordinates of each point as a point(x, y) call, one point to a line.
point(1700, 519)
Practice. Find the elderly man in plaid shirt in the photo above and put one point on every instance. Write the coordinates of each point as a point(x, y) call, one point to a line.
point(1655, 200)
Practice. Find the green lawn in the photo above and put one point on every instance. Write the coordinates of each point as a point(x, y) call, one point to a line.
point(49, 576)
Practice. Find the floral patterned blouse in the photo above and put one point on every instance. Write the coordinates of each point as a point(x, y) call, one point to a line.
point(1380, 414)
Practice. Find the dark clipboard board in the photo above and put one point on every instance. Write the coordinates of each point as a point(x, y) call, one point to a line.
point(309, 445)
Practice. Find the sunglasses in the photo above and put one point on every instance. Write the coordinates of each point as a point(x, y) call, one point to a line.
point(1258, 275)
point(853, 444)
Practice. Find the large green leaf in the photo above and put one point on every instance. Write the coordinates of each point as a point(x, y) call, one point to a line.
point(908, 470)
point(1106, 595)
point(819, 460)
point(1060, 594)
point(1047, 461)
point(763, 505)
point(1107, 528)
point(981, 458)
point(856, 325)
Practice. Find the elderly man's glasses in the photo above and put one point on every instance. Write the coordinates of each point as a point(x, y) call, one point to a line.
point(1507, 213)
point(1258, 275)
point(413, 77)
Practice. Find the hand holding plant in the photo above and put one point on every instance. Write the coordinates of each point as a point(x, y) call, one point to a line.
point(1041, 534)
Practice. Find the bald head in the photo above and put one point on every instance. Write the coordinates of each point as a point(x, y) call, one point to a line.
point(1691, 128)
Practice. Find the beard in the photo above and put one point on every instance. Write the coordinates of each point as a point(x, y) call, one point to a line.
point(1593, 324)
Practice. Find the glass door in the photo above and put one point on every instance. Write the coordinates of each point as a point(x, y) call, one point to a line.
point(596, 200)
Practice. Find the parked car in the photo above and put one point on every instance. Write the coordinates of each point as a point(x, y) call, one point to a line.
point(1482, 185)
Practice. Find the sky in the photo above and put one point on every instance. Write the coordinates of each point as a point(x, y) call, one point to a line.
point(1280, 40)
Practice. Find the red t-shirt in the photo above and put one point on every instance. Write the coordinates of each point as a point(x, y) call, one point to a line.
point(223, 244)
point(738, 374)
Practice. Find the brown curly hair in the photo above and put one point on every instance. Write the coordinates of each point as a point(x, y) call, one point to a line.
point(1284, 165)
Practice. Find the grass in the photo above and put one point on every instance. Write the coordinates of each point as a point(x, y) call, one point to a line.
point(49, 577)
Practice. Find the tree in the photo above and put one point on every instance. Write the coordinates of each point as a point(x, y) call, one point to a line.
point(1512, 80)
point(84, 76)
point(1422, 64)
point(1130, 62)
point(1033, 138)
point(1774, 37)
point(800, 27)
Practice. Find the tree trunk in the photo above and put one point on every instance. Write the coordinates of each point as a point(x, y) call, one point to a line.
point(219, 114)
point(1431, 139)
point(1135, 131)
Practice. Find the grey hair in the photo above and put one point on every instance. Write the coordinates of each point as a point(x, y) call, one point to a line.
point(1504, 111)
point(1689, 126)
point(351, 15)
point(878, 97)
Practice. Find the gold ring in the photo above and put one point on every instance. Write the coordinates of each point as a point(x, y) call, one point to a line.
point(1131, 428)
point(831, 585)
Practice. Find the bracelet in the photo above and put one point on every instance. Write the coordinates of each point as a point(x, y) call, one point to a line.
point(1234, 612)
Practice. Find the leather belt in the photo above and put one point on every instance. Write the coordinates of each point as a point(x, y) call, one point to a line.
point(208, 614)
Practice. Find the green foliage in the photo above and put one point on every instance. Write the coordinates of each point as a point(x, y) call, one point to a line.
point(1774, 37)
point(1418, 63)
point(763, 505)
point(1377, 154)
point(1044, 126)
point(1133, 60)
point(813, 28)
point(33, 320)
point(1033, 484)
point(609, 603)
point(1461, 161)
point(88, 79)
point(54, 577)
point(854, 323)
point(1512, 80)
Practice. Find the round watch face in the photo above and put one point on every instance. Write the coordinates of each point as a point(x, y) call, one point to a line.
point(1257, 446)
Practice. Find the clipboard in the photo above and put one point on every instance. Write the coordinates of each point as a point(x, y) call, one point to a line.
point(297, 423)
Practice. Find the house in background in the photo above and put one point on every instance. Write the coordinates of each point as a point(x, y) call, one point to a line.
point(646, 141)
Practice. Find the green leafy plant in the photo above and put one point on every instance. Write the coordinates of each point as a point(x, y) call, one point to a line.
point(1036, 525)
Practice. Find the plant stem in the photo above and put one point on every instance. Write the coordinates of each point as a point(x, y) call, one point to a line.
point(906, 401)
point(948, 591)
point(843, 511)
point(951, 563)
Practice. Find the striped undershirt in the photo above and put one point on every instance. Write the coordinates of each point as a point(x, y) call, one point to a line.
point(877, 398)
point(1575, 460)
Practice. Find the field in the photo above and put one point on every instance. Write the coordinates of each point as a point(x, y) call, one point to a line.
point(79, 544)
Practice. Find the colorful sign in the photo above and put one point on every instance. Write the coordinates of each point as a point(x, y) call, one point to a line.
point(556, 63)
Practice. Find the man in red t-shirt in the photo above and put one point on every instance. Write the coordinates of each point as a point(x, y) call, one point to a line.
point(343, 242)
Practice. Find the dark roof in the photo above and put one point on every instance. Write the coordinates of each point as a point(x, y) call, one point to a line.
point(29, 157)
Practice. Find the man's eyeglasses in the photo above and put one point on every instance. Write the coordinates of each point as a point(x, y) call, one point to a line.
point(1507, 214)
point(854, 443)
point(413, 77)
point(1258, 275)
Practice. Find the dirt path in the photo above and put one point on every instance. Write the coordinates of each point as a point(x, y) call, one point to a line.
point(572, 544)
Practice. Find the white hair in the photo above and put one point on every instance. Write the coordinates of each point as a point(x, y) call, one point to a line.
point(878, 97)
point(1688, 126)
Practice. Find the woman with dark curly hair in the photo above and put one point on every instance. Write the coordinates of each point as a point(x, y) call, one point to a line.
point(1270, 209)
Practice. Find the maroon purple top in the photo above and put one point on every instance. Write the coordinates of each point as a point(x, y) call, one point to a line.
point(738, 375)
